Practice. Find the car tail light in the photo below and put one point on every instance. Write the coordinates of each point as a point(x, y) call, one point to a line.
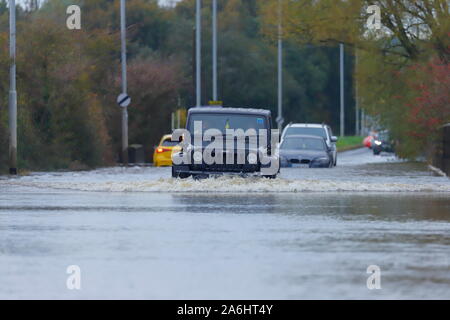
point(162, 150)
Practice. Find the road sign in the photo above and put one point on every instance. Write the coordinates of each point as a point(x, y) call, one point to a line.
point(123, 100)
point(216, 103)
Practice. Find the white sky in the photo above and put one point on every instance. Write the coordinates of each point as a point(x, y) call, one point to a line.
point(162, 2)
point(165, 2)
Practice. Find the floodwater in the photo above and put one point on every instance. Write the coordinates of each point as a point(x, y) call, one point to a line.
point(310, 234)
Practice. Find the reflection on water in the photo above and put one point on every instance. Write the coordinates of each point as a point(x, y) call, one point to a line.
point(249, 246)
point(369, 206)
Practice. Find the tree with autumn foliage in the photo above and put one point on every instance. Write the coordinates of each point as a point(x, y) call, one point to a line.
point(67, 85)
point(429, 108)
point(68, 80)
point(402, 70)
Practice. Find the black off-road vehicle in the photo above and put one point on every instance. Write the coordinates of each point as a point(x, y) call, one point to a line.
point(248, 154)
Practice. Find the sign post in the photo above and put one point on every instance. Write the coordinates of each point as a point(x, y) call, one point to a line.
point(125, 100)
point(216, 103)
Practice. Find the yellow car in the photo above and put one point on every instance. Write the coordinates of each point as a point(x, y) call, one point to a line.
point(162, 156)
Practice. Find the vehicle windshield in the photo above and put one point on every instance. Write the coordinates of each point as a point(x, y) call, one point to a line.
point(320, 132)
point(169, 143)
point(223, 121)
point(303, 144)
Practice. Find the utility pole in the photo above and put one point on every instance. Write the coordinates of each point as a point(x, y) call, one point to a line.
point(357, 112)
point(214, 27)
point(124, 82)
point(198, 52)
point(280, 119)
point(363, 123)
point(172, 119)
point(341, 47)
point(12, 90)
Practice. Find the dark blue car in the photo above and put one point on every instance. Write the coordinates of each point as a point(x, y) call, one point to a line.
point(302, 151)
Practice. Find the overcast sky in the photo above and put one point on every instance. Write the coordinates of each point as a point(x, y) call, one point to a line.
point(162, 2)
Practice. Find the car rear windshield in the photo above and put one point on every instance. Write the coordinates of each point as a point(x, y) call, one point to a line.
point(169, 143)
point(223, 121)
point(303, 144)
point(320, 132)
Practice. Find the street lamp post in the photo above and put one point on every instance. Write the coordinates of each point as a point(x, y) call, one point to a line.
point(280, 119)
point(357, 111)
point(12, 109)
point(124, 81)
point(198, 52)
point(214, 27)
point(341, 47)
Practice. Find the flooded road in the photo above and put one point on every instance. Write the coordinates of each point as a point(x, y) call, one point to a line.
point(137, 234)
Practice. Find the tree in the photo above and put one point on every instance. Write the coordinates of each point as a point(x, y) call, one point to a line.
point(410, 22)
point(413, 33)
point(69, 80)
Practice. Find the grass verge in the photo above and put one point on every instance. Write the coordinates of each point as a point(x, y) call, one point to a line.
point(349, 143)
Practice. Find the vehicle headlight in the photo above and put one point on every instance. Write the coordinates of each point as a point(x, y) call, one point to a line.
point(322, 159)
point(252, 158)
point(378, 142)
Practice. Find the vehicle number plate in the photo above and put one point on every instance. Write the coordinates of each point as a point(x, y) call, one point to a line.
point(300, 165)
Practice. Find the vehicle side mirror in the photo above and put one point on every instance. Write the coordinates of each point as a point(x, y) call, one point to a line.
point(334, 139)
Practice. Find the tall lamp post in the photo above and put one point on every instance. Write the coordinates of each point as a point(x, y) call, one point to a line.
point(124, 81)
point(341, 47)
point(280, 119)
point(198, 52)
point(12, 109)
point(357, 112)
point(214, 27)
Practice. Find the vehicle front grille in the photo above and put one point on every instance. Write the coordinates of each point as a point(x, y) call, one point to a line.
point(303, 161)
point(226, 167)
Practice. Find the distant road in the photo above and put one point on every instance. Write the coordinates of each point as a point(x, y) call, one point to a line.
point(364, 156)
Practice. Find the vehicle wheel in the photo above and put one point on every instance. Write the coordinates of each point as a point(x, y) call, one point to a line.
point(178, 175)
point(376, 152)
point(200, 176)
